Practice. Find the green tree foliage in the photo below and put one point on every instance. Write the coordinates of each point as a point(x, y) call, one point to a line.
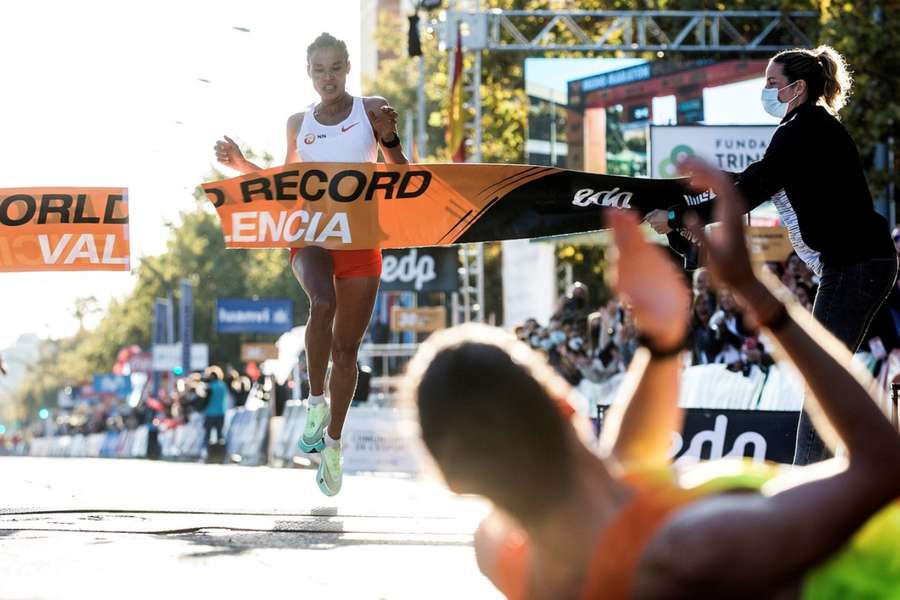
point(866, 33)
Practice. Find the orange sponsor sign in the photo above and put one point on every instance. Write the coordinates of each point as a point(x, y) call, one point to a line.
point(64, 229)
point(769, 244)
point(425, 319)
point(360, 205)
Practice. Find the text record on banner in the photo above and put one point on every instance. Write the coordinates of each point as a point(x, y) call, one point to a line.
point(353, 206)
point(64, 229)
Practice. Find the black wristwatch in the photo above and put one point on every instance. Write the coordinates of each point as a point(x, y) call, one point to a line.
point(393, 143)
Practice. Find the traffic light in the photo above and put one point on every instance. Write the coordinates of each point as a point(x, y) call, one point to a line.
point(2, 429)
point(178, 371)
point(44, 414)
point(414, 45)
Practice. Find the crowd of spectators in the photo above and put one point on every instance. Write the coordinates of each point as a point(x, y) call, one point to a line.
point(209, 394)
point(597, 344)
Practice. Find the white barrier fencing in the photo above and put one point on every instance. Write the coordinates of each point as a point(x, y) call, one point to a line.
point(374, 440)
point(184, 442)
point(715, 387)
point(246, 435)
point(729, 414)
point(112, 444)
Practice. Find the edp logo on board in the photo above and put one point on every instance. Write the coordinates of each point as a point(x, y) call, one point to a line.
point(410, 268)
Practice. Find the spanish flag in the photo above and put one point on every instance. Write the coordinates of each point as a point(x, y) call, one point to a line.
point(456, 123)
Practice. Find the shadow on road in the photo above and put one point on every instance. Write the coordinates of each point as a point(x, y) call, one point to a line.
point(231, 543)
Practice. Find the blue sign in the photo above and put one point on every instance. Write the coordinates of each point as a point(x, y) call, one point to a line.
point(613, 78)
point(108, 383)
point(187, 324)
point(242, 315)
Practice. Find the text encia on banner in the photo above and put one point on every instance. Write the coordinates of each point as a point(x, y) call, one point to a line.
point(310, 186)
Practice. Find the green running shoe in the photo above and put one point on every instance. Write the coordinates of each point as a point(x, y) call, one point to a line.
point(330, 473)
point(313, 437)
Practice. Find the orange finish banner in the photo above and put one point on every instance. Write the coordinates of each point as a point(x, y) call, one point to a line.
point(353, 206)
point(64, 229)
point(350, 205)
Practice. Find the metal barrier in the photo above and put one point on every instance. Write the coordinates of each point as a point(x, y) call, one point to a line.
point(384, 386)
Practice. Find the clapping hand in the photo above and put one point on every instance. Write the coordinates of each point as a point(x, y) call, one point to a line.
point(726, 247)
point(647, 280)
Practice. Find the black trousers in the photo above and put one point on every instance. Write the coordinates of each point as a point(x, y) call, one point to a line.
point(217, 423)
point(847, 300)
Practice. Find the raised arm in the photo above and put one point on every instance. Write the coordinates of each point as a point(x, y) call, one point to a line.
point(294, 123)
point(714, 546)
point(229, 154)
point(638, 428)
point(821, 359)
point(384, 123)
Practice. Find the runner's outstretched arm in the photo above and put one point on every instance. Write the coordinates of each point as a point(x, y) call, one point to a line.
point(639, 425)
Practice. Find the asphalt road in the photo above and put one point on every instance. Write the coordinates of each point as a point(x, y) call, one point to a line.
point(104, 528)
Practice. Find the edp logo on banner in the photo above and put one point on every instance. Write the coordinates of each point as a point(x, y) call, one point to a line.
point(420, 270)
point(243, 315)
point(756, 434)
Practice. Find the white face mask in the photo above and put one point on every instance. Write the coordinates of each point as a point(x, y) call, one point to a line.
point(772, 105)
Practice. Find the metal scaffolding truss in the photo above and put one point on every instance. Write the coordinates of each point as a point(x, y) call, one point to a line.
point(634, 31)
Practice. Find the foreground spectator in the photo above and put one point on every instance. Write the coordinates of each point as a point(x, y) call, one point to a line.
point(623, 526)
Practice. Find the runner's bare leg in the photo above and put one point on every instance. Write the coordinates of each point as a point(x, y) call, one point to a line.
point(355, 301)
point(314, 269)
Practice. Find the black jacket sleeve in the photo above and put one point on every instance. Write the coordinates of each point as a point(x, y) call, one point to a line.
point(758, 182)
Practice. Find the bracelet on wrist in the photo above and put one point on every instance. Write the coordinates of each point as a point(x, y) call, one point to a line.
point(391, 144)
point(658, 352)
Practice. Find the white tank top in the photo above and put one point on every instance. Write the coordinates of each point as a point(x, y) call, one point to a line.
point(352, 140)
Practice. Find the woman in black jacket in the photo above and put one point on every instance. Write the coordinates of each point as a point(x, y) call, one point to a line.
point(812, 172)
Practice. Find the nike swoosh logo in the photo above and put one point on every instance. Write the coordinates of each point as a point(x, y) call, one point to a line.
point(348, 127)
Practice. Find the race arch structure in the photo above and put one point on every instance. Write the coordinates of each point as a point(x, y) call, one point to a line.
point(695, 33)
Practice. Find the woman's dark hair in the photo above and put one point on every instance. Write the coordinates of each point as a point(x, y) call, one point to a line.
point(326, 40)
point(825, 72)
point(489, 416)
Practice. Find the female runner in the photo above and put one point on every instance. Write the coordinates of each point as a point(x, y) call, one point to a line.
point(341, 284)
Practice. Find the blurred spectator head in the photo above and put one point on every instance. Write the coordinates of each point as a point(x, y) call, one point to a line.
point(214, 373)
point(727, 302)
point(805, 295)
point(797, 269)
point(702, 281)
point(578, 291)
point(480, 436)
point(702, 309)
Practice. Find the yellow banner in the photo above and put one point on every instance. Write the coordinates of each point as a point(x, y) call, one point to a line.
point(64, 229)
